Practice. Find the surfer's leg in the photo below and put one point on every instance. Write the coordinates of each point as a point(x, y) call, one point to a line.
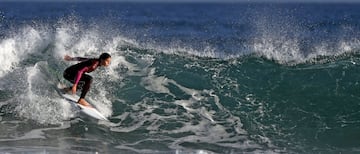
point(70, 77)
point(85, 88)
point(87, 79)
point(84, 85)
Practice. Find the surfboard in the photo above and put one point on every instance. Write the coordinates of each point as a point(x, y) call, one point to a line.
point(72, 99)
point(90, 111)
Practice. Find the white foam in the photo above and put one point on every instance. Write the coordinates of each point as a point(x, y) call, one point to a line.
point(7, 56)
point(36, 133)
point(176, 49)
point(100, 101)
point(17, 46)
point(118, 57)
point(214, 134)
point(198, 120)
point(158, 85)
point(65, 38)
point(154, 83)
point(37, 102)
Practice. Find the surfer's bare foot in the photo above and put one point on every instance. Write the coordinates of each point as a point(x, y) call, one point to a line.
point(83, 102)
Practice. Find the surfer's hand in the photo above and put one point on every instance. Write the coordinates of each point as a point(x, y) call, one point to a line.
point(73, 89)
point(67, 58)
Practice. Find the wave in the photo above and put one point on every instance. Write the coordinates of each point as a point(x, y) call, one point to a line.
point(26, 46)
point(29, 44)
point(235, 101)
point(35, 61)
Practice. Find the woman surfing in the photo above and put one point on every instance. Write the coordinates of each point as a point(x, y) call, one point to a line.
point(76, 74)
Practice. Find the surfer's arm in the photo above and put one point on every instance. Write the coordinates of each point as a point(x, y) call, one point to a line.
point(68, 58)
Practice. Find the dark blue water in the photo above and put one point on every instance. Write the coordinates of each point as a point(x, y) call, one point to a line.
point(184, 78)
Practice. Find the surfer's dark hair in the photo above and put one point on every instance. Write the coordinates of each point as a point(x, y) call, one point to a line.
point(104, 56)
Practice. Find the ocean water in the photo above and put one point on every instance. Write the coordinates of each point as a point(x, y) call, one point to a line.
point(185, 77)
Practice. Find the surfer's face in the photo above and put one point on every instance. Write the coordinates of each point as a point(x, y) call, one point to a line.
point(106, 62)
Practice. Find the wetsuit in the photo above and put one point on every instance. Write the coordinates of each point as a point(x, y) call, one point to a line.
point(76, 73)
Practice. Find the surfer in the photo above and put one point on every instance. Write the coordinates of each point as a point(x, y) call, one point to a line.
point(76, 74)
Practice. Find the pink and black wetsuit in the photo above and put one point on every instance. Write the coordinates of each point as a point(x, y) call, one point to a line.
point(76, 73)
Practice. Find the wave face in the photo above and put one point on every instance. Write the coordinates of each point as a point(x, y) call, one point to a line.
point(184, 77)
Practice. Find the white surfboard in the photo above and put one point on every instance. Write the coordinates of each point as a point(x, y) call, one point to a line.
point(90, 111)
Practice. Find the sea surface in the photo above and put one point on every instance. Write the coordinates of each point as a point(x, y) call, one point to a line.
point(184, 78)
